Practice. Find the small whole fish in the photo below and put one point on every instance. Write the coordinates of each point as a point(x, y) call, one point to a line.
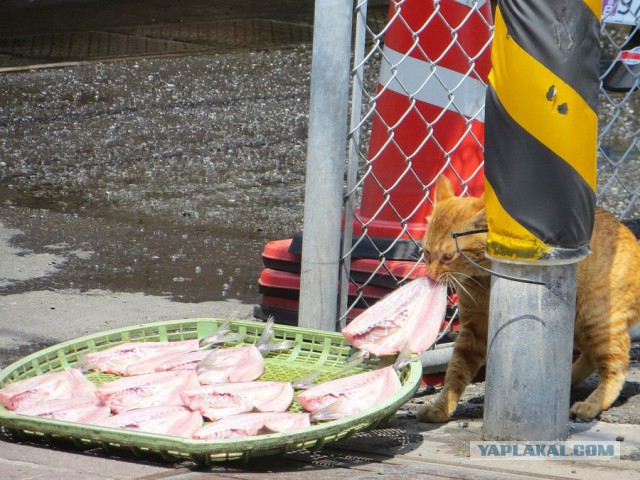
point(410, 315)
point(77, 409)
point(151, 389)
point(350, 395)
point(174, 420)
point(49, 386)
point(135, 358)
point(224, 399)
point(250, 424)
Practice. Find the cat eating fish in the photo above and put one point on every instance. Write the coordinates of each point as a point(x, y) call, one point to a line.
point(607, 301)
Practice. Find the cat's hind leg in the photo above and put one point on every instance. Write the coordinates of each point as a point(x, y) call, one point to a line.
point(580, 370)
point(612, 360)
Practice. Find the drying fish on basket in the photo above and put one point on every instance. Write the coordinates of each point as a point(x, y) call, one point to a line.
point(350, 395)
point(182, 361)
point(410, 315)
point(224, 399)
point(174, 420)
point(238, 364)
point(138, 358)
point(49, 386)
point(250, 424)
point(77, 409)
point(190, 360)
point(135, 358)
point(234, 364)
point(151, 389)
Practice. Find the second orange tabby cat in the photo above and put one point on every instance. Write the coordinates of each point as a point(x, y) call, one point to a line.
point(607, 301)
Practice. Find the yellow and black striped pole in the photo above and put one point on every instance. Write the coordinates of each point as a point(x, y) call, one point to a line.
point(540, 169)
point(541, 129)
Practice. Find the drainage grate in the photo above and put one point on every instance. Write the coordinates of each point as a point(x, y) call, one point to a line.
point(155, 40)
point(230, 33)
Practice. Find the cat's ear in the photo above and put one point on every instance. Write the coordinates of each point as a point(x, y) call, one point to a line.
point(478, 221)
point(444, 189)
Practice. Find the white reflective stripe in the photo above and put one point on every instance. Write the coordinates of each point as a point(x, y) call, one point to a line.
point(411, 76)
point(470, 3)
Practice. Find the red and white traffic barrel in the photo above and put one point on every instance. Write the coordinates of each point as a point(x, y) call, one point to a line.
point(429, 112)
point(624, 74)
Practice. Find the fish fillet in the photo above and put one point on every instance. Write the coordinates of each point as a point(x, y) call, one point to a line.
point(235, 364)
point(410, 315)
point(135, 358)
point(151, 389)
point(224, 399)
point(354, 393)
point(78, 409)
point(174, 420)
point(182, 361)
point(249, 424)
point(49, 386)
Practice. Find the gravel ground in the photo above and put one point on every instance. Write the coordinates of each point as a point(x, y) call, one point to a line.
point(193, 169)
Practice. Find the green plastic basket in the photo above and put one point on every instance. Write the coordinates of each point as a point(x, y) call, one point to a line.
point(314, 350)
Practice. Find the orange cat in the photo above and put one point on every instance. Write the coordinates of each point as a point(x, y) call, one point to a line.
point(607, 301)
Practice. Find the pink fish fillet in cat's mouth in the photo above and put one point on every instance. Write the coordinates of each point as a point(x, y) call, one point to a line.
point(410, 315)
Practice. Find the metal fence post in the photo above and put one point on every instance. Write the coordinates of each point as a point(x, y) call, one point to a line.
point(330, 70)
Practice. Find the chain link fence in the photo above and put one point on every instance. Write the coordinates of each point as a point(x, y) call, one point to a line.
point(417, 111)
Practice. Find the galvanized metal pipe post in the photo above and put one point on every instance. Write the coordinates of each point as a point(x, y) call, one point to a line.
point(529, 352)
point(325, 164)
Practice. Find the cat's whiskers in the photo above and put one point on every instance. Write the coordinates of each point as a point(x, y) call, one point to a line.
point(469, 277)
point(417, 258)
point(460, 285)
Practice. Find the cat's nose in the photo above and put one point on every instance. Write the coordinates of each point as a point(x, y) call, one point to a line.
point(431, 272)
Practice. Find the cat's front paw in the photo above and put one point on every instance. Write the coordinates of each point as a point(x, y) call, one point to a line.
point(433, 414)
point(584, 411)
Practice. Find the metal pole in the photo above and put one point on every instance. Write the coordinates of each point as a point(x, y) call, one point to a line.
point(325, 164)
point(529, 353)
